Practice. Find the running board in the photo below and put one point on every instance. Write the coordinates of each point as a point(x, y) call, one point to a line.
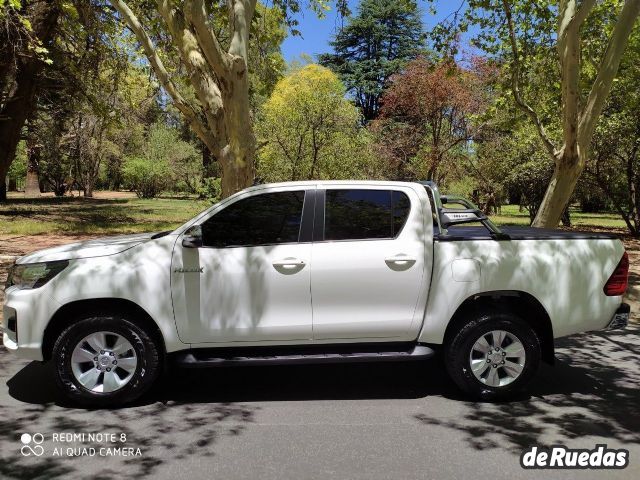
point(213, 358)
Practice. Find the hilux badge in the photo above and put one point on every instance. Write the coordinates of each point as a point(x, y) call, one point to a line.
point(189, 270)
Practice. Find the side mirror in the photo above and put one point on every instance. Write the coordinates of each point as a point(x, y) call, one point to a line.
point(192, 238)
point(450, 216)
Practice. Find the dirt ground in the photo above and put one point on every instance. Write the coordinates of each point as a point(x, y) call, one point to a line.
point(13, 246)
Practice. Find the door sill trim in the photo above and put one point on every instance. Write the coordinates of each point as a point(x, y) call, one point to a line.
point(316, 354)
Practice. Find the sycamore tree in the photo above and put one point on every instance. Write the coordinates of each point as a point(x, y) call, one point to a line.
point(208, 81)
point(311, 131)
point(614, 165)
point(376, 43)
point(550, 36)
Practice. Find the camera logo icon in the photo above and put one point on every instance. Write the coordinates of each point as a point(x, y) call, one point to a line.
point(32, 444)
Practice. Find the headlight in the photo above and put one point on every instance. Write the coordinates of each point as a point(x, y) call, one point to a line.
point(34, 275)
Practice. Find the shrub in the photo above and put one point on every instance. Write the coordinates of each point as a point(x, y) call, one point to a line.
point(148, 178)
point(210, 188)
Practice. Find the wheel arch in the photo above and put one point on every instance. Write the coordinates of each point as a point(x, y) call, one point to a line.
point(520, 303)
point(69, 313)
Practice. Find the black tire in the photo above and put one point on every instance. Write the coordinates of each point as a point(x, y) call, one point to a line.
point(458, 351)
point(146, 370)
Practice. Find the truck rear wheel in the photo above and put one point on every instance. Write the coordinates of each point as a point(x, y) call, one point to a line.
point(493, 356)
point(105, 361)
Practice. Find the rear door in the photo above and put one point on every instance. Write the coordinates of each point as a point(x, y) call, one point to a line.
point(368, 263)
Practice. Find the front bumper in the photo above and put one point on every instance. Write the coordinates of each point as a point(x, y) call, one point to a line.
point(620, 319)
point(26, 314)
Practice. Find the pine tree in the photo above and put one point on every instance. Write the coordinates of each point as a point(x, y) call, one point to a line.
point(375, 44)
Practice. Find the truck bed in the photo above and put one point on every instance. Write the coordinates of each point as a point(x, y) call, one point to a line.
point(463, 233)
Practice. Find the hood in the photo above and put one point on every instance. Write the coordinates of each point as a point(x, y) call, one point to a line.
point(99, 247)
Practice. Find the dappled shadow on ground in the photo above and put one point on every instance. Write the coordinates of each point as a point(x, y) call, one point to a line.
point(593, 390)
point(80, 216)
point(76, 213)
point(165, 430)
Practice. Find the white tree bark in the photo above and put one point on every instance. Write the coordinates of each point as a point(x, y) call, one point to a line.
point(219, 79)
point(578, 124)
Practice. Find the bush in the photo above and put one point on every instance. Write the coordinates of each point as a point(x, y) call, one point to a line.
point(18, 170)
point(148, 178)
point(464, 187)
point(211, 189)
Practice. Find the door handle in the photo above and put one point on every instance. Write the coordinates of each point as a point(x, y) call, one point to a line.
point(400, 262)
point(289, 265)
point(288, 262)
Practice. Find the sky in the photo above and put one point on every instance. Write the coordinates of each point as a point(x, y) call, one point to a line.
point(317, 33)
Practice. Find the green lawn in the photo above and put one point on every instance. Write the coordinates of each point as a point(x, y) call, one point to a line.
point(510, 215)
point(95, 216)
point(131, 215)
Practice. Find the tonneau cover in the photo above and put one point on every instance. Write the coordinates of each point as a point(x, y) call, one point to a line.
point(521, 233)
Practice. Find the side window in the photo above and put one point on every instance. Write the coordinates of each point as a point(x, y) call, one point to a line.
point(401, 209)
point(266, 219)
point(364, 214)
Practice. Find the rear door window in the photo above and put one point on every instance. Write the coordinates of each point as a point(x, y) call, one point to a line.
point(353, 214)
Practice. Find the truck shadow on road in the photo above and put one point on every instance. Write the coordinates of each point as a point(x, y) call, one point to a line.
point(592, 391)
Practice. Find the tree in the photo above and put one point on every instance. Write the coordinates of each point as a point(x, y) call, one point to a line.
point(216, 68)
point(522, 32)
point(83, 99)
point(27, 29)
point(374, 45)
point(614, 167)
point(165, 160)
point(311, 131)
point(426, 117)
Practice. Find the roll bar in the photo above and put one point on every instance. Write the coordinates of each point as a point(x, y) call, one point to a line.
point(452, 216)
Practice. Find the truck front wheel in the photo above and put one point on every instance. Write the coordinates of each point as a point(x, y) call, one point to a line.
point(105, 361)
point(493, 356)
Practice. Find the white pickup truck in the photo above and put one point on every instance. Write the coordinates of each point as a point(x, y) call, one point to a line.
point(309, 272)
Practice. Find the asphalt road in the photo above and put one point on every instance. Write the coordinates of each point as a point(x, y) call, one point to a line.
point(403, 421)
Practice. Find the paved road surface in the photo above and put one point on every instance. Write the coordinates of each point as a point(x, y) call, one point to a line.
point(402, 421)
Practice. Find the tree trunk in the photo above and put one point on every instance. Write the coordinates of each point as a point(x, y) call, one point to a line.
point(3, 182)
point(32, 183)
point(239, 155)
point(561, 187)
point(19, 104)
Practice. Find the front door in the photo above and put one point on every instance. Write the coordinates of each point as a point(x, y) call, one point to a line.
point(250, 281)
point(369, 264)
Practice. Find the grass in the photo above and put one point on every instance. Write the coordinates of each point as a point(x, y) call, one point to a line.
point(511, 215)
point(77, 216)
point(92, 216)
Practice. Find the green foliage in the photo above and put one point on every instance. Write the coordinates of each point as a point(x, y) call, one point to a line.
point(464, 186)
point(612, 174)
point(166, 161)
point(18, 169)
point(267, 65)
point(374, 45)
point(148, 178)
point(311, 131)
point(211, 189)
